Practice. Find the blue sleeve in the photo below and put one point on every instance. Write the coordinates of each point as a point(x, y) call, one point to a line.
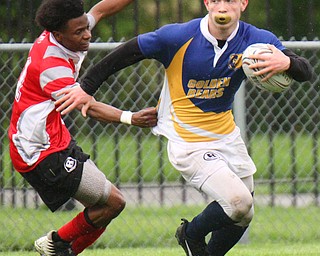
point(163, 43)
point(153, 46)
point(256, 35)
point(272, 39)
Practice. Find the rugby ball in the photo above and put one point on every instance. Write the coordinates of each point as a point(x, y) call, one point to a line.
point(277, 83)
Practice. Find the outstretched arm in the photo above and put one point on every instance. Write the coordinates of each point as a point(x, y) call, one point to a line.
point(105, 113)
point(107, 8)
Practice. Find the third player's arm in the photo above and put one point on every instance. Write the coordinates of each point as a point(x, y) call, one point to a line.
point(107, 8)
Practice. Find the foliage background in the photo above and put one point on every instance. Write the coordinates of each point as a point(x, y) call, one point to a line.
point(286, 18)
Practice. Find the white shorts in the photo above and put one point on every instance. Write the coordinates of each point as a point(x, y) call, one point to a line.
point(198, 161)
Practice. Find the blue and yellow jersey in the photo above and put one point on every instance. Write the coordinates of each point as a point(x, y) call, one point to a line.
point(201, 79)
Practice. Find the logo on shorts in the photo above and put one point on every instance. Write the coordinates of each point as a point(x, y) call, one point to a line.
point(70, 164)
point(208, 156)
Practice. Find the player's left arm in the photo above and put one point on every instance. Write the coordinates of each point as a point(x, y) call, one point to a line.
point(106, 8)
point(300, 69)
point(108, 114)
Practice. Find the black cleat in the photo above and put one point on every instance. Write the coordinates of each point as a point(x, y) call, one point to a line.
point(47, 247)
point(191, 247)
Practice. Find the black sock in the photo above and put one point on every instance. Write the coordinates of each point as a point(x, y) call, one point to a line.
point(56, 237)
point(224, 239)
point(212, 218)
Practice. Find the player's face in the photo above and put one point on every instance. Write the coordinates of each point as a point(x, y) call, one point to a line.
point(224, 16)
point(76, 34)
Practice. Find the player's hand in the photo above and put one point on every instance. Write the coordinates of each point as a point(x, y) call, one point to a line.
point(145, 118)
point(71, 98)
point(270, 64)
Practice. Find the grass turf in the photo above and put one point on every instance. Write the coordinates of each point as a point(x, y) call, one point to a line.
point(139, 230)
point(279, 249)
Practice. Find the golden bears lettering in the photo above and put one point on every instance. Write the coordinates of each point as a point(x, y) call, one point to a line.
point(207, 89)
point(213, 88)
point(190, 122)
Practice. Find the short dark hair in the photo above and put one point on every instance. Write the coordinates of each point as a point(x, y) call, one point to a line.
point(53, 15)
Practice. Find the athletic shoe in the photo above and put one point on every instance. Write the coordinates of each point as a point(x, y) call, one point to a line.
point(47, 247)
point(191, 247)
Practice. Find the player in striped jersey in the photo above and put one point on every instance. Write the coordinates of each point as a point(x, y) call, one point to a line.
point(41, 146)
point(202, 61)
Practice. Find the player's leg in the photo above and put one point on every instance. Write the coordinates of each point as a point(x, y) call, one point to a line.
point(186, 163)
point(232, 204)
point(103, 203)
point(70, 173)
point(208, 170)
point(224, 239)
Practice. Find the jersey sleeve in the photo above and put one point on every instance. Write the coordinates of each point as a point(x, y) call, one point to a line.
point(256, 35)
point(123, 56)
point(300, 69)
point(275, 41)
point(92, 21)
point(154, 46)
point(162, 44)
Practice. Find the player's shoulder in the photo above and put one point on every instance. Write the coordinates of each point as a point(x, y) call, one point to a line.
point(253, 31)
point(247, 26)
point(194, 23)
point(252, 34)
point(40, 43)
point(180, 30)
point(169, 38)
point(43, 38)
point(49, 48)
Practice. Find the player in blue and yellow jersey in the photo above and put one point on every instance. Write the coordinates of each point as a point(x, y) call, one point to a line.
point(202, 61)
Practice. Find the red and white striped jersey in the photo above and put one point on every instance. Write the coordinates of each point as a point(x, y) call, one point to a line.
point(36, 129)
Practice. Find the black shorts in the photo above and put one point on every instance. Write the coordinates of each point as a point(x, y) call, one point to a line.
point(57, 177)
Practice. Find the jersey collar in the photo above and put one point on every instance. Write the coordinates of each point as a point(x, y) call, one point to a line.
point(204, 27)
point(75, 56)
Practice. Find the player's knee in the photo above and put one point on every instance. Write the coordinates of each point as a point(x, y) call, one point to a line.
point(109, 211)
point(116, 204)
point(120, 205)
point(245, 221)
point(242, 208)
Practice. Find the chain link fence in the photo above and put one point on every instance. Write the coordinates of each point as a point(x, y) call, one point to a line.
point(281, 131)
point(289, 18)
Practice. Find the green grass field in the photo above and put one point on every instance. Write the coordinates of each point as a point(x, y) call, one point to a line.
point(239, 250)
point(150, 231)
point(102, 149)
